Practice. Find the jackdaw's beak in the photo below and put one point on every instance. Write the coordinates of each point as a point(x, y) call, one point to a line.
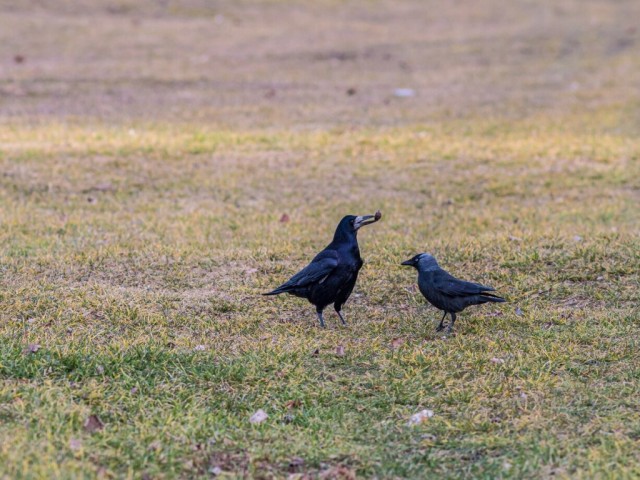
point(360, 221)
point(408, 263)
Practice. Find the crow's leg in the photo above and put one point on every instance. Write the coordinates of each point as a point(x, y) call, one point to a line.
point(453, 320)
point(440, 327)
point(319, 312)
point(339, 312)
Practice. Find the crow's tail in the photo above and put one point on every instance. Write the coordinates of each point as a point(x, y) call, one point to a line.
point(281, 289)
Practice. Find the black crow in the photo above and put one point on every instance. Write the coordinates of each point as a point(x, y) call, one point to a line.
point(446, 292)
point(332, 274)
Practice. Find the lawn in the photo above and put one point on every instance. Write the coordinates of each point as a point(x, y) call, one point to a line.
point(162, 164)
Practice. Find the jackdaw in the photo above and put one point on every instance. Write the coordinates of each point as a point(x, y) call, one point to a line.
point(332, 274)
point(445, 292)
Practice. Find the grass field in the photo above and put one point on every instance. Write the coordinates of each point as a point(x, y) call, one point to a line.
point(148, 152)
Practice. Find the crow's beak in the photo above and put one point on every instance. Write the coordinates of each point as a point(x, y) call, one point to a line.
point(366, 220)
point(408, 263)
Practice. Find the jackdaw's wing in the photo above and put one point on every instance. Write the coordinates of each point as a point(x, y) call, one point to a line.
point(449, 285)
point(319, 269)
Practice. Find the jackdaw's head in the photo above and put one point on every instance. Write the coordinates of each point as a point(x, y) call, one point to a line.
point(422, 262)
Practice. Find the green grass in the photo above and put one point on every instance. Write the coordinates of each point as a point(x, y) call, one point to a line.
point(119, 291)
point(135, 243)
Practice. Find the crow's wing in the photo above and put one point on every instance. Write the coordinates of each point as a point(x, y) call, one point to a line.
point(319, 269)
point(316, 272)
point(449, 285)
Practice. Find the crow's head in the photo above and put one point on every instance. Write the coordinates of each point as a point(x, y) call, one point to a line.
point(349, 225)
point(422, 262)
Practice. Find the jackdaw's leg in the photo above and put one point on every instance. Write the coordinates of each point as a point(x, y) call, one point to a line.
point(453, 320)
point(339, 312)
point(319, 312)
point(440, 327)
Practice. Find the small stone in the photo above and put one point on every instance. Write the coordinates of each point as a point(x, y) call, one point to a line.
point(258, 417)
point(418, 418)
point(75, 444)
point(215, 471)
point(404, 92)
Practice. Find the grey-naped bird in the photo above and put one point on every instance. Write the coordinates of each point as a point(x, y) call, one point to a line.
point(445, 292)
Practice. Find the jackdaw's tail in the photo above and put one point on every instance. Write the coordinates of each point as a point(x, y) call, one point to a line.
point(487, 297)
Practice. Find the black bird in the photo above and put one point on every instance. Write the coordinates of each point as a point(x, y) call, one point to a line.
point(332, 274)
point(445, 292)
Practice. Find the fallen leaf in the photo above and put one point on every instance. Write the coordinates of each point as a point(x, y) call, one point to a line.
point(340, 351)
point(93, 424)
point(284, 218)
point(31, 348)
point(154, 446)
point(397, 342)
point(258, 417)
point(418, 418)
point(293, 404)
point(295, 463)
point(338, 473)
